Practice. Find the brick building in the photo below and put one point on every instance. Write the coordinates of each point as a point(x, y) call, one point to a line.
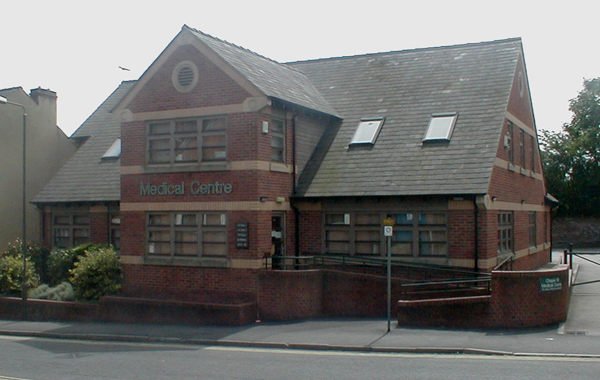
point(218, 157)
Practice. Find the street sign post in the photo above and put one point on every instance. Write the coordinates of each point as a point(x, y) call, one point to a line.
point(388, 232)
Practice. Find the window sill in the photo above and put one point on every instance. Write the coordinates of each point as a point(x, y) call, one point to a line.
point(205, 262)
point(279, 167)
point(524, 172)
point(511, 167)
point(197, 167)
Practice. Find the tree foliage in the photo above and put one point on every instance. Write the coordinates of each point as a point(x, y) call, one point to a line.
point(572, 156)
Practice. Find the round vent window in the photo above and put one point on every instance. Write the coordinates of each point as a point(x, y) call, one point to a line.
point(185, 76)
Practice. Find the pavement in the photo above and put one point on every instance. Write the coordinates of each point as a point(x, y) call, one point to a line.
point(579, 336)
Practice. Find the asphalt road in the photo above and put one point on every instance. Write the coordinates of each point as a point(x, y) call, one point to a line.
point(27, 358)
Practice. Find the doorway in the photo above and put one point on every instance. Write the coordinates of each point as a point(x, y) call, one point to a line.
point(278, 239)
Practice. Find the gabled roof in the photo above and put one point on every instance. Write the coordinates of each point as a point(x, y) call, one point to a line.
point(272, 78)
point(407, 88)
point(85, 176)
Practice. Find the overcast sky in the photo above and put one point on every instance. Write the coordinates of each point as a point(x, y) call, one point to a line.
point(75, 47)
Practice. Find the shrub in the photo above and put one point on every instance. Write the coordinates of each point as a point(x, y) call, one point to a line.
point(35, 252)
point(61, 292)
point(96, 274)
point(11, 275)
point(61, 261)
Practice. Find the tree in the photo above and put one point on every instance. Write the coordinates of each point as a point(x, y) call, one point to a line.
point(572, 156)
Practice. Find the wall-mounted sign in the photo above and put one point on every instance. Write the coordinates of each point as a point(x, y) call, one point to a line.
point(549, 284)
point(181, 188)
point(241, 235)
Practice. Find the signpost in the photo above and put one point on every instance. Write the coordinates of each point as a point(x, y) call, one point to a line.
point(388, 231)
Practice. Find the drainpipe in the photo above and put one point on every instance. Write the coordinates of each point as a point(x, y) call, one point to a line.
point(476, 233)
point(296, 211)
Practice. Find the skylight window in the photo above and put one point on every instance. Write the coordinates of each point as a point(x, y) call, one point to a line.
point(440, 127)
point(114, 151)
point(367, 131)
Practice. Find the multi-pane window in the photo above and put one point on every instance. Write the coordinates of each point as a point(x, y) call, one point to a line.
point(187, 141)
point(522, 148)
point(420, 234)
point(337, 233)
point(402, 239)
point(432, 234)
point(532, 229)
point(187, 234)
point(277, 140)
point(115, 230)
point(70, 230)
point(505, 232)
point(367, 235)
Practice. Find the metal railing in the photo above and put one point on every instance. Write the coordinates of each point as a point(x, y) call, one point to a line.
point(432, 278)
point(568, 259)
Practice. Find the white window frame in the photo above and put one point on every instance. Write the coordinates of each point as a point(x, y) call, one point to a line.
point(435, 125)
point(367, 131)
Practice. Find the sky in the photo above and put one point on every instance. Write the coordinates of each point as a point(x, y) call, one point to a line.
point(75, 48)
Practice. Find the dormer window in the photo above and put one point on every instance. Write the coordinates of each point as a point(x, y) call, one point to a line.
point(441, 127)
point(114, 151)
point(367, 131)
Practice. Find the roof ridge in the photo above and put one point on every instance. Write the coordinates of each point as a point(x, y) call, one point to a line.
point(81, 126)
point(231, 44)
point(412, 50)
point(13, 88)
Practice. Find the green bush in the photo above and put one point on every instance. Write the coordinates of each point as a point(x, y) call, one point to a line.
point(61, 261)
point(61, 292)
point(11, 275)
point(35, 252)
point(96, 274)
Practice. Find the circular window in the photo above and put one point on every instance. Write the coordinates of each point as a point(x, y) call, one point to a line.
point(185, 76)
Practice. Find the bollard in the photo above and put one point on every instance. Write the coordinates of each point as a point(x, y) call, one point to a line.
point(570, 256)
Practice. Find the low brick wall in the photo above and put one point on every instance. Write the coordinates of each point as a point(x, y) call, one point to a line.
point(145, 310)
point(286, 295)
point(129, 310)
point(518, 299)
point(45, 310)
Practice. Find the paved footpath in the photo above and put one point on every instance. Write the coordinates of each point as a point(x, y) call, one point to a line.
point(579, 336)
point(584, 309)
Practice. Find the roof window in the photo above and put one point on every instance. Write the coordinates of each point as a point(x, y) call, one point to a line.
point(441, 127)
point(367, 131)
point(114, 151)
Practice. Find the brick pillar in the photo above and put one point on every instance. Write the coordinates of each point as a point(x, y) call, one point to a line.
point(99, 224)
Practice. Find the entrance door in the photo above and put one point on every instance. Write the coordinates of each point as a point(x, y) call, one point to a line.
point(277, 239)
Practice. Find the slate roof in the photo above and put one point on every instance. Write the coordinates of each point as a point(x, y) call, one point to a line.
point(270, 77)
point(85, 176)
point(407, 87)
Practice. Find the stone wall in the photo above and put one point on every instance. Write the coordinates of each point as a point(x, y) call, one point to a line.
point(581, 232)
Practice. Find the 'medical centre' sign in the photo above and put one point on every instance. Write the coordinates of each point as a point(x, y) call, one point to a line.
point(193, 188)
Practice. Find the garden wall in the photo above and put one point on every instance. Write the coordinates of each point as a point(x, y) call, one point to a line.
point(581, 232)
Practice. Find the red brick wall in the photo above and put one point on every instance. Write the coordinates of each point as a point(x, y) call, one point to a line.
point(517, 105)
point(461, 234)
point(189, 283)
point(99, 227)
point(286, 295)
point(516, 301)
point(310, 232)
point(214, 87)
